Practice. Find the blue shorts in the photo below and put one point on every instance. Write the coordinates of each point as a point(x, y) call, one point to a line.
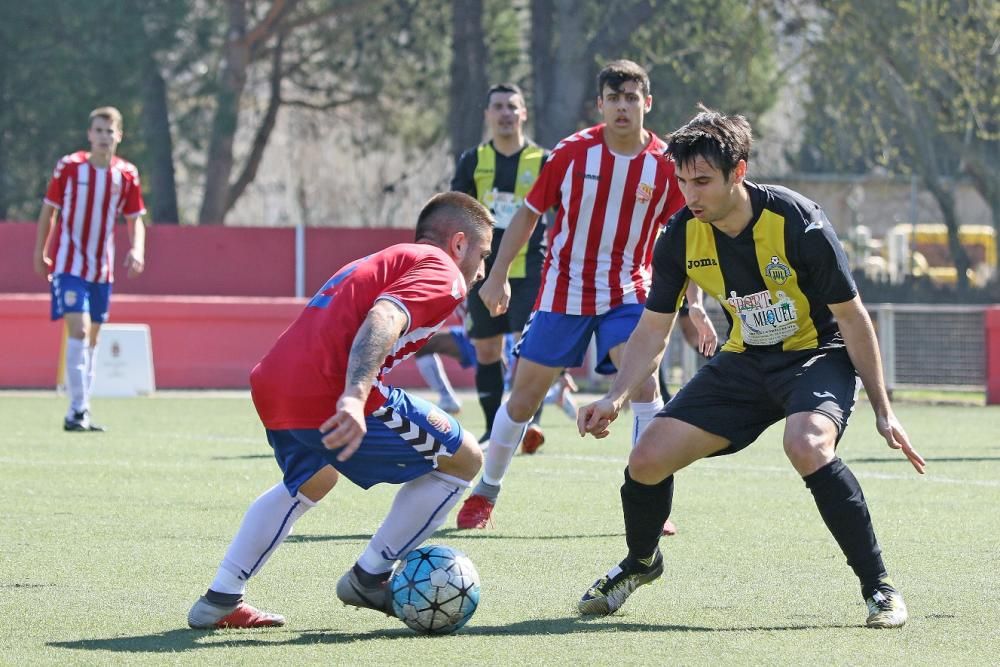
point(557, 340)
point(73, 294)
point(466, 350)
point(404, 440)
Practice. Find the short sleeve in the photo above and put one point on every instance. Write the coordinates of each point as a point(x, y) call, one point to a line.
point(465, 180)
point(57, 185)
point(544, 194)
point(830, 276)
point(669, 276)
point(134, 205)
point(428, 292)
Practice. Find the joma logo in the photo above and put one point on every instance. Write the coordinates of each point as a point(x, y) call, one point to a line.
point(698, 263)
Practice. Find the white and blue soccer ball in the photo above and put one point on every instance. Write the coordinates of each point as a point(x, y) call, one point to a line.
point(435, 590)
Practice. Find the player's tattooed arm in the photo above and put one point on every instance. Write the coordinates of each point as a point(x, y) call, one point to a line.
point(385, 323)
point(346, 428)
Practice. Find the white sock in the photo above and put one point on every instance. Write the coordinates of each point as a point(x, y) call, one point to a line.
point(504, 439)
point(76, 374)
point(643, 415)
point(265, 526)
point(91, 370)
point(432, 371)
point(420, 507)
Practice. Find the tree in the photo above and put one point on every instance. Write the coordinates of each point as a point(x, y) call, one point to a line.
point(910, 87)
point(679, 43)
point(468, 75)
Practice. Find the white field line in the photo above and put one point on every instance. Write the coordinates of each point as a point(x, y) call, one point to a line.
point(785, 471)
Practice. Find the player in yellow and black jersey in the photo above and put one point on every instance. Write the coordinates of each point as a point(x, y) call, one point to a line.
point(499, 173)
point(799, 340)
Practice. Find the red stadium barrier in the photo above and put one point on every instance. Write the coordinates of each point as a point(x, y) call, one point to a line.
point(198, 342)
point(992, 321)
point(211, 261)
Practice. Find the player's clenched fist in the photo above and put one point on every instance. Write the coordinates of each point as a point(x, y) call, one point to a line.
point(596, 417)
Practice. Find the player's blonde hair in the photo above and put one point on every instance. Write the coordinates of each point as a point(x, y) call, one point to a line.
point(111, 114)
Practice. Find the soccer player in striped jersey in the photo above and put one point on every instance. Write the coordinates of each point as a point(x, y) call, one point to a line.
point(370, 316)
point(89, 191)
point(614, 188)
point(800, 340)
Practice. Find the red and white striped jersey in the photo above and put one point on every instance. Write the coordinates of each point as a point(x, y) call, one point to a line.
point(610, 210)
point(89, 201)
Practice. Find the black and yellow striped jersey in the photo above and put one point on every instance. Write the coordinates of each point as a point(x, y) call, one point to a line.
point(774, 280)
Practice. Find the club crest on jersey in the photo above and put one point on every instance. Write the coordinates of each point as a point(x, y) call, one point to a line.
point(438, 420)
point(778, 271)
point(644, 193)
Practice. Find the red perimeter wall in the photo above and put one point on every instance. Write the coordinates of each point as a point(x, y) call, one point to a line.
point(992, 319)
point(215, 299)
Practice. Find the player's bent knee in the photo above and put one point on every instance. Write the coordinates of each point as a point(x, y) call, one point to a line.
point(316, 487)
point(645, 467)
point(465, 462)
point(808, 452)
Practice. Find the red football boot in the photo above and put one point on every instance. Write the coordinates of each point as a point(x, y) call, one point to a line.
point(475, 512)
point(533, 439)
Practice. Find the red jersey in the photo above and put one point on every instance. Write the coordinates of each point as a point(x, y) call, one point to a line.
point(89, 201)
point(610, 210)
point(298, 382)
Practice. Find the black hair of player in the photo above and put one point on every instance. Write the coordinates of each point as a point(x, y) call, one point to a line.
point(618, 72)
point(722, 140)
point(512, 88)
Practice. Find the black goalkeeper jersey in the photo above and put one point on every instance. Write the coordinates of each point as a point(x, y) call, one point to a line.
point(774, 280)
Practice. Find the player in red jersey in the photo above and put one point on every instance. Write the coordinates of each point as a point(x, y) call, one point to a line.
point(614, 188)
point(89, 190)
point(371, 315)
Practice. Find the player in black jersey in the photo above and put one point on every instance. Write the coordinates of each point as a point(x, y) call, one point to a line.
point(499, 173)
point(799, 340)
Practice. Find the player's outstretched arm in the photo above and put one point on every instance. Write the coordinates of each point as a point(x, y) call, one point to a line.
point(862, 346)
point(386, 321)
point(640, 359)
point(495, 290)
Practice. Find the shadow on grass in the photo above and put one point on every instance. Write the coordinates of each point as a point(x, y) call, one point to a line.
point(243, 457)
point(189, 640)
point(454, 533)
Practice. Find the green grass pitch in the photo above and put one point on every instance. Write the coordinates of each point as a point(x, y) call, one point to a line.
point(106, 540)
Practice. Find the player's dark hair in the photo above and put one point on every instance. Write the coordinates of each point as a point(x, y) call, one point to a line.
point(446, 213)
point(503, 88)
point(617, 72)
point(722, 140)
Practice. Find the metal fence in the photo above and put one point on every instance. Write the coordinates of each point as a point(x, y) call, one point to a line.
point(922, 345)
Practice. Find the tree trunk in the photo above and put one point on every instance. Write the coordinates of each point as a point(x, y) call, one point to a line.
point(156, 127)
point(567, 77)
point(232, 80)
point(263, 131)
point(468, 88)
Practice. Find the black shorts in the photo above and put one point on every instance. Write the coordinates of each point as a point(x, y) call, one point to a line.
point(737, 395)
point(523, 292)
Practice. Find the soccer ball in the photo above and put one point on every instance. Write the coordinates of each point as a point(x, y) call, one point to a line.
point(435, 590)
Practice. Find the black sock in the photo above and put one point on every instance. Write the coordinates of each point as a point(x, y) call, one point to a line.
point(223, 599)
point(489, 384)
point(646, 507)
point(845, 512)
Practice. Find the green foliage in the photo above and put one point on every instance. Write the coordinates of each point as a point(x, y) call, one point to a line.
point(886, 75)
point(57, 65)
point(718, 52)
point(109, 538)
